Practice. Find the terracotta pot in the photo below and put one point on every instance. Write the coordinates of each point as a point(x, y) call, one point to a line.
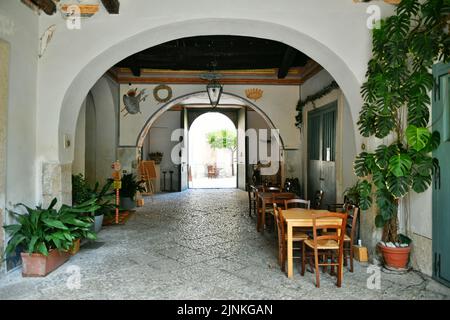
point(395, 257)
point(75, 247)
point(38, 265)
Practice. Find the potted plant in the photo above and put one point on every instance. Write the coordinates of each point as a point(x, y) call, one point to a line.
point(130, 186)
point(156, 156)
point(396, 109)
point(81, 192)
point(47, 236)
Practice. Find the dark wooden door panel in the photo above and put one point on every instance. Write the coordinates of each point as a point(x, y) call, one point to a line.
point(321, 153)
point(441, 185)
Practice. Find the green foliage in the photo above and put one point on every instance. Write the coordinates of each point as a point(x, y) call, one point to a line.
point(82, 192)
point(222, 139)
point(417, 137)
point(399, 80)
point(41, 230)
point(130, 186)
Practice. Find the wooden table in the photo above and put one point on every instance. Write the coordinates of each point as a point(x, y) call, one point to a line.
point(264, 198)
point(299, 217)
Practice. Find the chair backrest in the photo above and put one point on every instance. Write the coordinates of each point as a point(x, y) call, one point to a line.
point(352, 220)
point(279, 221)
point(321, 221)
point(318, 199)
point(280, 197)
point(295, 203)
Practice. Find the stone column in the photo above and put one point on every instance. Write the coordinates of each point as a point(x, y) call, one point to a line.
point(4, 68)
point(56, 183)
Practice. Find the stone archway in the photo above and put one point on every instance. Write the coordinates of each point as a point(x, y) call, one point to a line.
point(151, 120)
point(51, 138)
point(92, 71)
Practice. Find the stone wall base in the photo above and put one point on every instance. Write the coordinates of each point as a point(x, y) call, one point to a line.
point(56, 183)
point(422, 254)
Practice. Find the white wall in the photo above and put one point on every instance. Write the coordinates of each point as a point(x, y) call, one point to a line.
point(91, 142)
point(334, 33)
point(346, 176)
point(158, 140)
point(105, 96)
point(278, 103)
point(19, 27)
point(79, 161)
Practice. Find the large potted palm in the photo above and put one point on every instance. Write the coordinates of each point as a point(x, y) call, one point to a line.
point(396, 109)
point(46, 236)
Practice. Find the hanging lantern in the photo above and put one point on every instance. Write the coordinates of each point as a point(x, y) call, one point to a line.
point(214, 90)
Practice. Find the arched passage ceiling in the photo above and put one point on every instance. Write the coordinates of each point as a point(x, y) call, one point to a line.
point(217, 52)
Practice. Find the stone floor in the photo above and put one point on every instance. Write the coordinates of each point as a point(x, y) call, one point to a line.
point(216, 183)
point(199, 244)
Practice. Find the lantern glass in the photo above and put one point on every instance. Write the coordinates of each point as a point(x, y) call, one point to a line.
point(214, 90)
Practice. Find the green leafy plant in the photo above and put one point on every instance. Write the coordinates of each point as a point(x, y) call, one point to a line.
point(130, 186)
point(82, 192)
point(224, 139)
point(396, 107)
point(41, 230)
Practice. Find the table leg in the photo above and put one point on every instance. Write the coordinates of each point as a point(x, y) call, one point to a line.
point(289, 251)
point(258, 216)
point(263, 215)
point(341, 259)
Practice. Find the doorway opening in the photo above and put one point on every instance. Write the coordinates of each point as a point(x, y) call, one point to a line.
point(212, 152)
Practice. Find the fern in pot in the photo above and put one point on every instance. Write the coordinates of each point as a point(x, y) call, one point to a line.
point(396, 109)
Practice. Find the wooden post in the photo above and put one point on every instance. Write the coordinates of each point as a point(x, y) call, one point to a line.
point(117, 185)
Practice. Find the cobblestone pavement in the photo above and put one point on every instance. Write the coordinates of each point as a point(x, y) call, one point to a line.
point(200, 244)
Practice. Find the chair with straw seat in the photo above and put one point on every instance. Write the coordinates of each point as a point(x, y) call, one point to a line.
point(297, 237)
point(327, 244)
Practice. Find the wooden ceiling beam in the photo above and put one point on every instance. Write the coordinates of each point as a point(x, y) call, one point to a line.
point(48, 6)
point(112, 6)
point(288, 59)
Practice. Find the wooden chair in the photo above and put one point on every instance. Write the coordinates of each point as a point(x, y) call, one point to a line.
point(295, 203)
point(252, 198)
point(327, 243)
point(349, 240)
point(350, 234)
point(279, 198)
point(212, 172)
point(147, 173)
point(297, 237)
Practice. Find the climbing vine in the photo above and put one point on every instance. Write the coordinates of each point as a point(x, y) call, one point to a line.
point(302, 103)
point(396, 107)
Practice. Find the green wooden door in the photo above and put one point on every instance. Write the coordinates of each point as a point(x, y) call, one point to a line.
point(441, 184)
point(322, 152)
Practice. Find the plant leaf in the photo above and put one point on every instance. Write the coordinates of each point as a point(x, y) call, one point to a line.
point(400, 164)
point(417, 137)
